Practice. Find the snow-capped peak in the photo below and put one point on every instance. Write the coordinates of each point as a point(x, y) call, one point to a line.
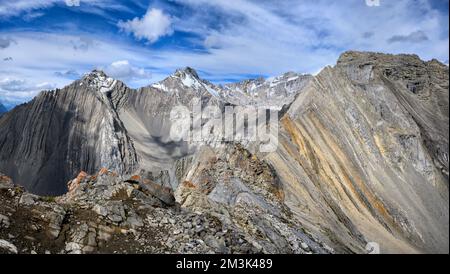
point(186, 78)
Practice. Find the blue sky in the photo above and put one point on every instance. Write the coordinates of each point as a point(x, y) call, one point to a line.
point(46, 44)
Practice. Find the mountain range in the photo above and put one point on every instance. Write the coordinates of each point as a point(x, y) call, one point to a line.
point(361, 159)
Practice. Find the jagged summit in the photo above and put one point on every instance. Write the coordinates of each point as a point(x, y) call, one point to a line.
point(98, 80)
point(186, 71)
point(95, 73)
point(271, 93)
point(184, 80)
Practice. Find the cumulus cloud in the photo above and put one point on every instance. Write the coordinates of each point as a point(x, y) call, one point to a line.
point(8, 84)
point(11, 84)
point(270, 37)
point(59, 62)
point(413, 37)
point(82, 43)
point(73, 3)
point(5, 42)
point(229, 40)
point(125, 71)
point(153, 25)
point(71, 74)
point(9, 8)
point(14, 91)
point(213, 41)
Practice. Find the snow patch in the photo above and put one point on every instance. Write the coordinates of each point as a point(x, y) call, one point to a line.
point(160, 86)
point(101, 82)
point(211, 91)
point(189, 81)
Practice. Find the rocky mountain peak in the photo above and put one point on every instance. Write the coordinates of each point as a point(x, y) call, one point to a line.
point(95, 73)
point(98, 80)
point(187, 71)
point(186, 79)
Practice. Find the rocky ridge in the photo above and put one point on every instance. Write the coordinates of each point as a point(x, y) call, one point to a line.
point(106, 213)
point(64, 131)
point(271, 93)
point(363, 152)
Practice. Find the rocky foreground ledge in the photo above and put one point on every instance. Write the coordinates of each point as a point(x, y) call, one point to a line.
point(106, 213)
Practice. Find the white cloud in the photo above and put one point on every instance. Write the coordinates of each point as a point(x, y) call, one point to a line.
point(59, 62)
point(6, 42)
point(123, 70)
point(153, 25)
point(12, 8)
point(70, 73)
point(250, 37)
point(9, 8)
point(14, 91)
point(82, 43)
point(30, 16)
point(270, 37)
point(73, 3)
point(413, 37)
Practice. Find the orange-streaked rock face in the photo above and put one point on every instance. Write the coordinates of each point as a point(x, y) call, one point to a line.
point(361, 153)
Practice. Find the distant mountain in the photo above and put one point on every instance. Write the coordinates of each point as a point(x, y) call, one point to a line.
point(184, 80)
point(272, 93)
point(2, 108)
point(362, 156)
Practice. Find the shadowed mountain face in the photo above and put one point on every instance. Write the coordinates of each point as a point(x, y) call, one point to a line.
point(47, 141)
point(362, 151)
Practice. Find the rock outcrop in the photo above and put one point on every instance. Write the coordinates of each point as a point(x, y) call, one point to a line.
point(244, 192)
point(105, 213)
